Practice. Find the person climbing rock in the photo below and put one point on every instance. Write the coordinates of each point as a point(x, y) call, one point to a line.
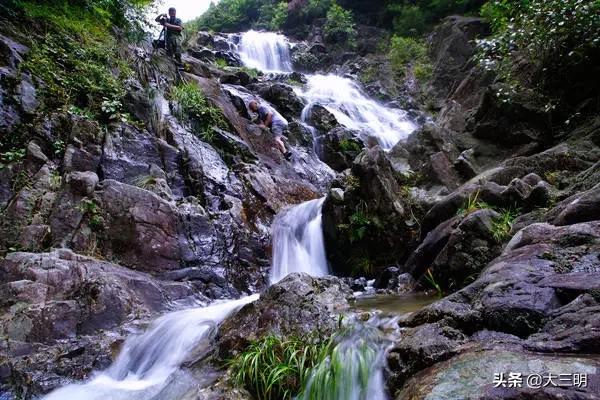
point(173, 28)
point(269, 118)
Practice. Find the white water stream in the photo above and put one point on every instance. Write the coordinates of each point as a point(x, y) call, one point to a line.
point(148, 361)
point(298, 244)
point(343, 97)
point(266, 51)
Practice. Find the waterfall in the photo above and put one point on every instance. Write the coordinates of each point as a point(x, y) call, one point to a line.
point(298, 244)
point(270, 52)
point(354, 369)
point(353, 109)
point(147, 362)
point(266, 51)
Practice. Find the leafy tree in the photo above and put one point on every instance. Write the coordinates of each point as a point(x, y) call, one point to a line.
point(340, 25)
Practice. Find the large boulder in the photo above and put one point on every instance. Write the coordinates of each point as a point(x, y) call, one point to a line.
point(452, 44)
point(338, 148)
point(373, 224)
point(299, 304)
point(458, 249)
point(62, 294)
point(541, 269)
point(283, 97)
point(471, 376)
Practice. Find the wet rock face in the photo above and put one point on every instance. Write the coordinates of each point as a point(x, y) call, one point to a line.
point(63, 294)
point(298, 304)
point(371, 219)
point(457, 250)
point(540, 294)
point(470, 376)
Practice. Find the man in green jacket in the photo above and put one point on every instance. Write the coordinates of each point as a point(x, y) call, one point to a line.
point(173, 27)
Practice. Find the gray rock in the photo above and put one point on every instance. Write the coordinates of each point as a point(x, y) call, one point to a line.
point(419, 348)
point(63, 294)
point(470, 376)
point(82, 183)
point(337, 194)
point(299, 304)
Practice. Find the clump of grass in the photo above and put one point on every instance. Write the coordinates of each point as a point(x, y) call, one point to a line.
point(473, 204)
point(145, 182)
point(221, 63)
point(276, 368)
point(430, 279)
point(502, 226)
point(196, 109)
point(349, 145)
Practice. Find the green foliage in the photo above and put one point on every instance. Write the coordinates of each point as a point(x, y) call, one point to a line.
point(349, 145)
point(406, 52)
point(409, 20)
point(430, 279)
point(415, 17)
point(91, 210)
point(473, 204)
point(86, 17)
point(423, 71)
point(76, 73)
point(553, 36)
point(276, 368)
point(241, 15)
point(229, 16)
point(221, 63)
point(145, 182)
point(15, 155)
point(502, 226)
point(273, 16)
point(340, 25)
point(196, 109)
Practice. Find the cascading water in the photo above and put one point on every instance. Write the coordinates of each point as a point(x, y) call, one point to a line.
point(146, 364)
point(270, 52)
point(298, 244)
point(266, 51)
point(354, 369)
point(353, 109)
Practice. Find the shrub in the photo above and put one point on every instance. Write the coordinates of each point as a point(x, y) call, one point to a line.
point(196, 109)
point(229, 16)
point(409, 21)
point(407, 51)
point(403, 50)
point(558, 38)
point(340, 25)
point(414, 17)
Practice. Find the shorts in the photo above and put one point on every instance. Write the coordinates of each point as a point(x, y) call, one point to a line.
point(278, 129)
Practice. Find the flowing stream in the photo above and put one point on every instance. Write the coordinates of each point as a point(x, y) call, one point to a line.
point(146, 365)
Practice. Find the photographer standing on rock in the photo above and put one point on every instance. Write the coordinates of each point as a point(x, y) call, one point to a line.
point(173, 27)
